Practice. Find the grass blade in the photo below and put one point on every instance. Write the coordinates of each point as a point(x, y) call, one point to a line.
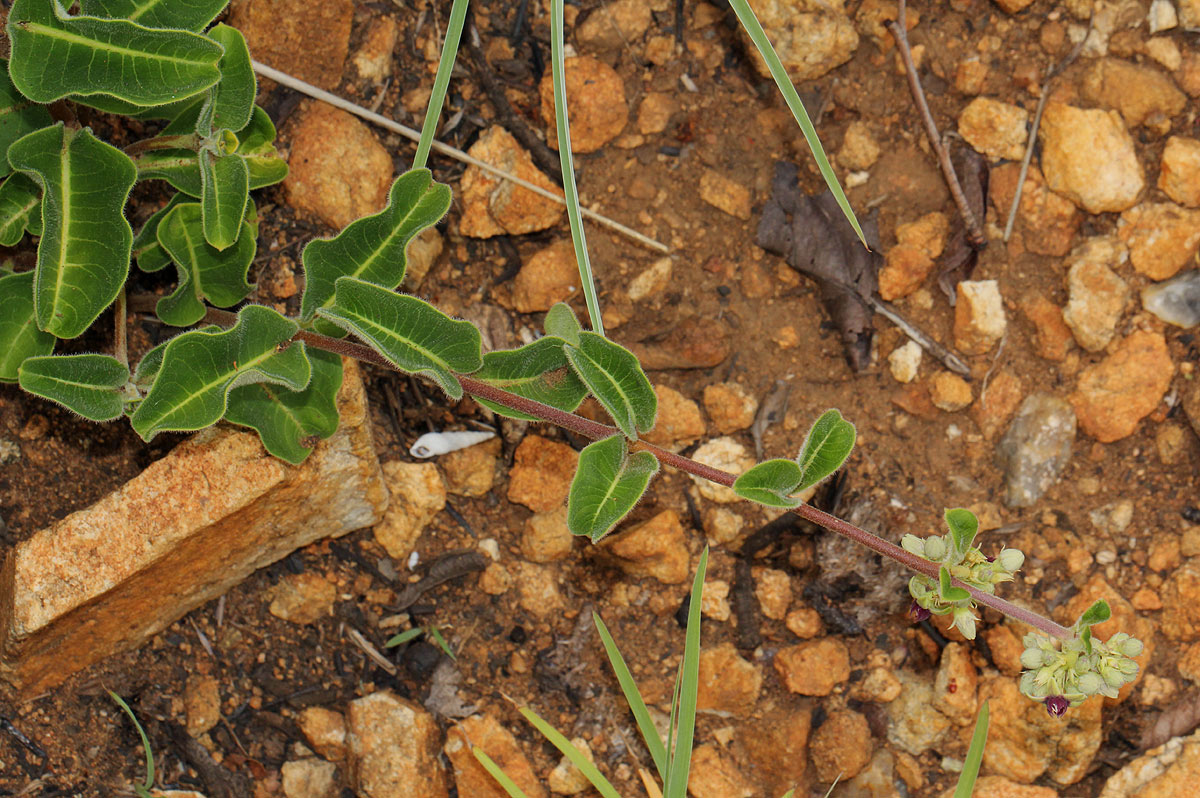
point(754, 29)
point(145, 740)
point(689, 681)
point(499, 775)
point(568, 166)
point(404, 637)
point(568, 749)
point(441, 641)
point(458, 13)
point(966, 779)
point(637, 706)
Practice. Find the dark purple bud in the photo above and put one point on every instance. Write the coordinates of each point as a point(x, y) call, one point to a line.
point(990, 557)
point(1057, 705)
point(917, 612)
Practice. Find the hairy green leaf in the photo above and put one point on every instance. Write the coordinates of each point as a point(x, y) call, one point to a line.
point(615, 377)
point(561, 322)
point(1097, 613)
point(55, 55)
point(112, 105)
point(90, 385)
point(826, 447)
point(771, 483)
point(256, 145)
point(150, 254)
point(373, 248)
point(607, 484)
point(231, 101)
point(20, 209)
point(537, 371)
point(200, 368)
point(83, 257)
point(191, 15)
point(413, 335)
point(20, 337)
point(18, 117)
point(947, 590)
point(224, 192)
point(963, 528)
point(204, 272)
point(291, 423)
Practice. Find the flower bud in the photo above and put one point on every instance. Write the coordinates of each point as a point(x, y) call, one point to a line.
point(1127, 667)
point(1011, 560)
point(1113, 676)
point(913, 545)
point(965, 622)
point(1032, 658)
point(1131, 647)
point(1090, 684)
point(935, 548)
point(1056, 705)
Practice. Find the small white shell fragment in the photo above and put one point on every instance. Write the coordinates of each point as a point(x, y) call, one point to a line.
point(431, 444)
point(491, 548)
point(413, 560)
point(1162, 16)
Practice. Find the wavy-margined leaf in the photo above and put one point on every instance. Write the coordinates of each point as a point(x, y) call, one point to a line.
point(373, 248)
point(91, 385)
point(148, 253)
point(147, 368)
point(204, 272)
point(771, 483)
point(607, 484)
point(291, 423)
point(614, 376)
point(224, 192)
point(537, 371)
point(191, 15)
point(83, 257)
point(413, 335)
point(20, 337)
point(55, 55)
point(113, 105)
point(18, 116)
point(200, 368)
point(231, 101)
point(827, 445)
point(561, 322)
point(963, 527)
point(20, 209)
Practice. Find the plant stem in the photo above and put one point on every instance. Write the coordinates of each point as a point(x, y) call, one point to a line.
point(188, 141)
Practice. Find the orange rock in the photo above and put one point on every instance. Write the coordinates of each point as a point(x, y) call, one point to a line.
point(729, 407)
point(656, 548)
point(492, 206)
point(1113, 395)
point(1088, 156)
point(979, 321)
point(1052, 337)
point(1162, 238)
point(549, 277)
point(904, 270)
point(307, 41)
point(1179, 172)
point(1047, 221)
point(541, 474)
point(841, 746)
point(728, 683)
point(679, 422)
point(1142, 94)
point(595, 104)
point(499, 744)
point(715, 775)
point(814, 668)
point(725, 194)
point(949, 392)
point(997, 403)
point(393, 743)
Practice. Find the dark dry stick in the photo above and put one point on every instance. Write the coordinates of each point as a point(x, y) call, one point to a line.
point(900, 32)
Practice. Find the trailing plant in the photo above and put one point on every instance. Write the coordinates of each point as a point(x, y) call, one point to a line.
point(279, 375)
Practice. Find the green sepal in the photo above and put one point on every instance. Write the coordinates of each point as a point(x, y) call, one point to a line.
point(147, 252)
point(20, 337)
point(224, 192)
point(91, 385)
point(205, 273)
point(199, 368)
point(291, 423)
point(614, 376)
point(947, 590)
point(413, 335)
point(826, 447)
point(537, 371)
point(83, 255)
point(20, 209)
point(193, 15)
point(18, 117)
point(561, 322)
point(607, 484)
point(964, 526)
point(373, 248)
point(771, 483)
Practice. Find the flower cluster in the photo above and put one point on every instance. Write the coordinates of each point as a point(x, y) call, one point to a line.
point(1082, 667)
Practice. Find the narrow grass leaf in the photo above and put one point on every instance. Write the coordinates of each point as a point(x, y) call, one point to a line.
point(291, 423)
point(18, 117)
point(91, 385)
point(614, 376)
point(436, 634)
point(413, 335)
point(142, 734)
point(689, 682)
point(507, 784)
point(224, 192)
point(20, 209)
point(191, 15)
point(373, 248)
point(607, 484)
point(205, 273)
point(755, 31)
point(573, 754)
point(404, 637)
point(441, 82)
point(20, 337)
point(561, 322)
point(771, 483)
point(83, 256)
point(633, 697)
point(55, 55)
point(970, 771)
point(199, 368)
point(947, 590)
point(963, 527)
point(231, 101)
point(537, 371)
point(828, 444)
point(147, 252)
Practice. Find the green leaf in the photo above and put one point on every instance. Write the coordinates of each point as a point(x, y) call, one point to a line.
point(561, 322)
point(1097, 613)
point(413, 335)
point(607, 484)
point(83, 257)
point(111, 105)
point(946, 588)
point(404, 637)
point(633, 697)
point(20, 209)
point(54, 55)
point(291, 423)
point(964, 526)
point(90, 385)
point(204, 272)
point(224, 192)
point(231, 101)
point(687, 687)
point(614, 376)
point(537, 371)
point(497, 773)
point(970, 771)
point(191, 15)
point(373, 248)
point(771, 483)
point(826, 447)
point(150, 255)
point(18, 117)
point(145, 740)
point(200, 368)
point(256, 144)
point(573, 754)
point(20, 337)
